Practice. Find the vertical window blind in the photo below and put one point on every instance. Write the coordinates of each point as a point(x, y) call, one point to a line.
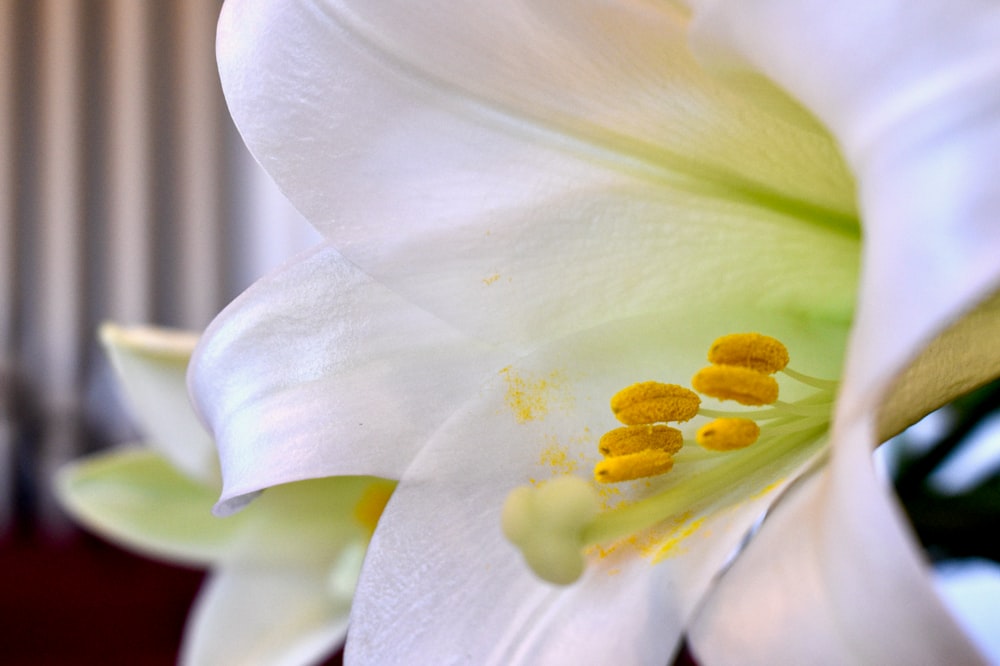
point(125, 195)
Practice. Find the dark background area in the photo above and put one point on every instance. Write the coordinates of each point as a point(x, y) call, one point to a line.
point(77, 600)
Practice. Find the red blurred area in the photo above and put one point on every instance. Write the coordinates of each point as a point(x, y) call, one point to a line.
point(78, 601)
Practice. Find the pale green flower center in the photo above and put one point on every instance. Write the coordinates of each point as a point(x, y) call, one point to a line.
point(553, 523)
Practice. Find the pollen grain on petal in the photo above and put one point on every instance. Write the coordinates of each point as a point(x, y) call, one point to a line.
point(730, 382)
point(749, 350)
point(556, 457)
point(672, 546)
point(654, 402)
point(530, 398)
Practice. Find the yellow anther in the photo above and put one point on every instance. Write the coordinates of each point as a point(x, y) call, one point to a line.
point(632, 439)
point(633, 466)
point(653, 402)
point(728, 434)
point(730, 382)
point(749, 350)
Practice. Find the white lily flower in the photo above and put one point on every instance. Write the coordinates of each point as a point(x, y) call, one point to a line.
point(282, 573)
point(918, 130)
point(530, 206)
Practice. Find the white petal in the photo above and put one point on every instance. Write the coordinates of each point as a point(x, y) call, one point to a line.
point(442, 582)
point(833, 577)
point(266, 617)
point(840, 554)
point(151, 364)
point(307, 523)
point(138, 499)
point(319, 371)
point(493, 164)
point(921, 131)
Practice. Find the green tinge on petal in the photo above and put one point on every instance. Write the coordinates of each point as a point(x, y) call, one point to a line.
point(152, 366)
point(658, 182)
point(307, 522)
point(138, 499)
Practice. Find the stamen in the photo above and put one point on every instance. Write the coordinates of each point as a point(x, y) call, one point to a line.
point(749, 350)
point(729, 382)
point(802, 408)
point(632, 439)
point(547, 523)
point(552, 523)
point(673, 500)
point(653, 402)
point(728, 434)
point(815, 382)
point(633, 466)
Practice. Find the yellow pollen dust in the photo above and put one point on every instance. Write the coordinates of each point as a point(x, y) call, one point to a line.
point(632, 439)
point(371, 504)
point(728, 434)
point(749, 350)
point(556, 457)
point(633, 466)
point(652, 402)
point(730, 382)
point(671, 546)
point(529, 398)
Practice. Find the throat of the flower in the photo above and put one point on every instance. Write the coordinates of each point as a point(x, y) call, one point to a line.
point(554, 522)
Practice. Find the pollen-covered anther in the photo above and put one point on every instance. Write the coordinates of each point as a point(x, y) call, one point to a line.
point(653, 402)
point(633, 466)
point(728, 434)
point(730, 382)
point(749, 350)
point(632, 439)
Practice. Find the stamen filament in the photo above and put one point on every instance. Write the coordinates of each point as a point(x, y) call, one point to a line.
point(778, 409)
point(779, 430)
point(772, 430)
point(803, 410)
point(756, 414)
point(815, 382)
point(679, 498)
point(818, 398)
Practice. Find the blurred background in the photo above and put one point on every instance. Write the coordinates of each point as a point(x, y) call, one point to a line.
point(125, 195)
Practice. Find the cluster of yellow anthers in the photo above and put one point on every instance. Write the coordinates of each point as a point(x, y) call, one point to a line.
point(553, 523)
point(742, 369)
